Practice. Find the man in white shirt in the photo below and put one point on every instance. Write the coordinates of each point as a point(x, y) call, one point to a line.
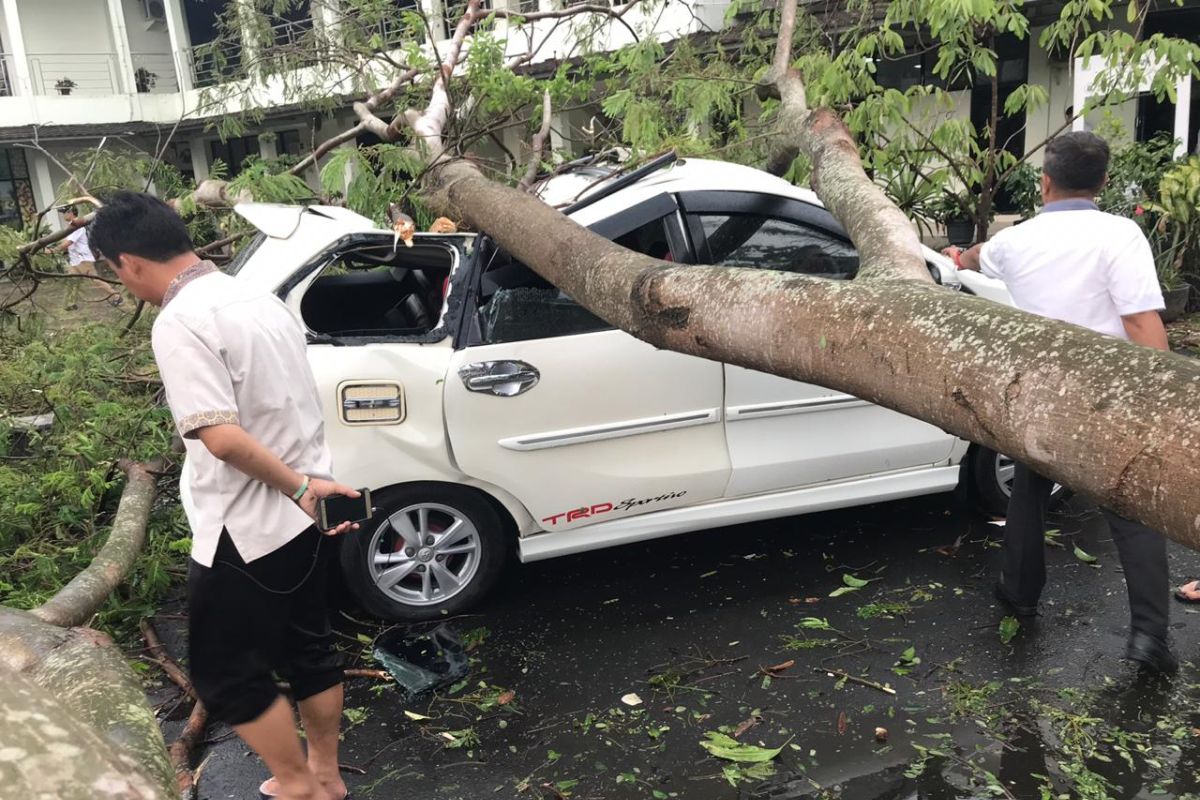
point(1075, 263)
point(242, 394)
point(80, 261)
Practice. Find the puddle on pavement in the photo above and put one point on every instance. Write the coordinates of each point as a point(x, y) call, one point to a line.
point(422, 660)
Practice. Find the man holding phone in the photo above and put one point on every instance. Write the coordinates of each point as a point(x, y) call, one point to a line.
point(242, 394)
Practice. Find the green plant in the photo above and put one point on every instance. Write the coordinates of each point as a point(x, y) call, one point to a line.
point(1024, 187)
point(59, 488)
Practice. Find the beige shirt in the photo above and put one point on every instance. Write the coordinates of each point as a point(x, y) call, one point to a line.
point(231, 354)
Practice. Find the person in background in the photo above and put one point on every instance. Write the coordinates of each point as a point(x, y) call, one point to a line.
point(242, 394)
point(80, 261)
point(1075, 263)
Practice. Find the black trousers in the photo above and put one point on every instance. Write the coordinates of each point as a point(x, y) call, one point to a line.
point(1143, 554)
point(248, 623)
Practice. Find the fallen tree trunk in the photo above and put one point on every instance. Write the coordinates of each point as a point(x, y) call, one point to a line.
point(76, 673)
point(73, 715)
point(1110, 419)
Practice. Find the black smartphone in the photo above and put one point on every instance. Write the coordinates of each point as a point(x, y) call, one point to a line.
point(336, 509)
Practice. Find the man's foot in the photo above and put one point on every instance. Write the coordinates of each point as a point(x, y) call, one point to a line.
point(1188, 592)
point(1020, 609)
point(1151, 653)
point(335, 789)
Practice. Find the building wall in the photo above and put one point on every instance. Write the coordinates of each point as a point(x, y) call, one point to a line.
point(77, 45)
point(143, 36)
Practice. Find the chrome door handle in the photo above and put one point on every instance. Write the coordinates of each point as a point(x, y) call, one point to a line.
point(501, 378)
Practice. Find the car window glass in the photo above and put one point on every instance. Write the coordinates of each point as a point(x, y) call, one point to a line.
point(518, 304)
point(751, 240)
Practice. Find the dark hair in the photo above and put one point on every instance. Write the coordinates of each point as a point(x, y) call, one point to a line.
point(140, 225)
point(1077, 161)
point(71, 209)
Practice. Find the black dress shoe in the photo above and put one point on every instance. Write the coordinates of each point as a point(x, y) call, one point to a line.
point(1019, 609)
point(1151, 653)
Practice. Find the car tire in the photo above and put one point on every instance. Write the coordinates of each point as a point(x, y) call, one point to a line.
point(991, 477)
point(463, 547)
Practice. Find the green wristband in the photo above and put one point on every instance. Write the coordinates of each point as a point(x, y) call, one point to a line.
point(300, 492)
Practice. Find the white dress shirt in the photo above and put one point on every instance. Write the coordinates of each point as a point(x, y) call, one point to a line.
point(231, 354)
point(1075, 263)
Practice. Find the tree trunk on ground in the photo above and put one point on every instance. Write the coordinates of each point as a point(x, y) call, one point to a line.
point(74, 721)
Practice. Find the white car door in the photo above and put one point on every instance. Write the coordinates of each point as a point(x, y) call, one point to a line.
point(581, 422)
point(785, 433)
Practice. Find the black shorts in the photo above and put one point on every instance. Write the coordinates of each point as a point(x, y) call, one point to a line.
point(248, 623)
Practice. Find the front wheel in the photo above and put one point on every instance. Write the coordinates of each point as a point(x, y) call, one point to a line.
point(430, 550)
point(992, 476)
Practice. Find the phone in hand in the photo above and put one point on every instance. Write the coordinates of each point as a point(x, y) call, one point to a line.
point(336, 509)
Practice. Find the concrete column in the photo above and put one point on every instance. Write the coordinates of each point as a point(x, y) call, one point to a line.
point(44, 193)
point(199, 149)
point(181, 43)
point(22, 84)
point(1183, 109)
point(116, 24)
point(267, 148)
point(325, 16)
point(1079, 86)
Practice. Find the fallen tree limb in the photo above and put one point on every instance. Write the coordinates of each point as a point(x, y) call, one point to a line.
point(164, 660)
point(76, 602)
point(182, 748)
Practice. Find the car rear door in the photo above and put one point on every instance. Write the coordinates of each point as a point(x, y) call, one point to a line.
point(582, 422)
point(785, 433)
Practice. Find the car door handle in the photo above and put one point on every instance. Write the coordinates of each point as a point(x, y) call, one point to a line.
point(501, 378)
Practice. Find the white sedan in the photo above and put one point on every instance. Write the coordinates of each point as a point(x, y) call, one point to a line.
point(489, 413)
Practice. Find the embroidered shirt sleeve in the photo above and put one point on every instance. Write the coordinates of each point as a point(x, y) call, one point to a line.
point(195, 374)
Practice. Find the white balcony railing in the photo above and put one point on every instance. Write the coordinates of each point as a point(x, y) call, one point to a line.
point(74, 73)
point(6, 83)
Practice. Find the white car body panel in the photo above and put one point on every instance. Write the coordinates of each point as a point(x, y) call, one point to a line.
point(783, 434)
point(612, 423)
point(876, 488)
point(619, 441)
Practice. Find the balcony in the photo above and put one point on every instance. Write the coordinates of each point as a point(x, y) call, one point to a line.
point(6, 84)
point(95, 74)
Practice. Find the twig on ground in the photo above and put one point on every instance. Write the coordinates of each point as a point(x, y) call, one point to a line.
point(837, 673)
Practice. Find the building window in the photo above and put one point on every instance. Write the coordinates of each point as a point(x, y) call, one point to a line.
point(235, 152)
point(16, 192)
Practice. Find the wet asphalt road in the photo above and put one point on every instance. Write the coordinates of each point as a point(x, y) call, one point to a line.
point(688, 624)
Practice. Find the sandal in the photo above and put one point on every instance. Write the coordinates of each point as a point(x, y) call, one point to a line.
point(1182, 597)
point(263, 794)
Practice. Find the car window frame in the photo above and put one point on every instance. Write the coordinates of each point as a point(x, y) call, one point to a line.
point(662, 206)
point(727, 202)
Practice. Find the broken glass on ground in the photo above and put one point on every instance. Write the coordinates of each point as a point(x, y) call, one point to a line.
point(422, 660)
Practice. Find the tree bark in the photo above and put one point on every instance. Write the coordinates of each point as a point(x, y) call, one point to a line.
point(46, 751)
point(74, 675)
point(87, 591)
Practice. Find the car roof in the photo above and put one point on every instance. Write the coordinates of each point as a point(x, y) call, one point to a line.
point(684, 175)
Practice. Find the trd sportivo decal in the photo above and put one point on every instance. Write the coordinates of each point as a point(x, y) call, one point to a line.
point(585, 512)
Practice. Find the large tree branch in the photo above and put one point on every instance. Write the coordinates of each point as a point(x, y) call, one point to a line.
point(537, 145)
point(76, 602)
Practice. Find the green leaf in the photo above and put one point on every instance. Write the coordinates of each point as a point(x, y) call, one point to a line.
point(854, 582)
point(1009, 627)
point(730, 749)
point(1085, 557)
point(841, 590)
point(1131, 13)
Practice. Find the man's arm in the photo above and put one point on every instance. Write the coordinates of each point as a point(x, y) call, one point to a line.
point(964, 259)
point(233, 445)
point(1146, 328)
